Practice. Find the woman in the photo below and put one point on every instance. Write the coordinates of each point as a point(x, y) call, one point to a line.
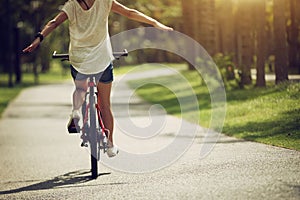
point(90, 52)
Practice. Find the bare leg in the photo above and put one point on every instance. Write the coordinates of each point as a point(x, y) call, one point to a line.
point(79, 93)
point(104, 91)
point(78, 98)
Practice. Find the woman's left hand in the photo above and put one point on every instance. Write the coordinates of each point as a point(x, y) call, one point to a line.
point(33, 46)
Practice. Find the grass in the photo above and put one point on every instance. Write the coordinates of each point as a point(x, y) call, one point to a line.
point(144, 67)
point(56, 75)
point(270, 116)
point(126, 69)
point(7, 94)
point(267, 115)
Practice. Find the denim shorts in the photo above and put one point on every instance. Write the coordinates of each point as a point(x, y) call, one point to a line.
point(105, 76)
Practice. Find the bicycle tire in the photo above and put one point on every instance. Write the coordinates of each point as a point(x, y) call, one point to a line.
point(85, 127)
point(83, 108)
point(93, 135)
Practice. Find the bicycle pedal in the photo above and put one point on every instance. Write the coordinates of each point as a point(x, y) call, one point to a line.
point(84, 144)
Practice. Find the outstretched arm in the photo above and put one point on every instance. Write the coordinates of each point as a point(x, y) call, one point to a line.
point(51, 25)
point(137, 16)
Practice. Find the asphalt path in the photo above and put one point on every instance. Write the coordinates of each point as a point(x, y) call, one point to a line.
point(39, 160)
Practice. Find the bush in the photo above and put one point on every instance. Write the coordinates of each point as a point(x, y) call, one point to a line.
point(227, 69)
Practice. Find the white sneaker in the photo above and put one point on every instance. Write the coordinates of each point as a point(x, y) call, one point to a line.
point(112, 151)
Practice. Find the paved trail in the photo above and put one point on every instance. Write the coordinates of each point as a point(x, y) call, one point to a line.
point(39, 160)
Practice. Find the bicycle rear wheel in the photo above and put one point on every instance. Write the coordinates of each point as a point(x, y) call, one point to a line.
point(93, 138)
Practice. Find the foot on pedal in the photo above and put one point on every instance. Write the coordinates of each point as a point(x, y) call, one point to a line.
point(112, 151)
point(73, 126)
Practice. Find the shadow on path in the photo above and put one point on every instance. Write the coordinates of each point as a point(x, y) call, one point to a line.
point(68, 180)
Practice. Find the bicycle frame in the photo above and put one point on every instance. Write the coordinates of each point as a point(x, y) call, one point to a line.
point(103, 132)
point(93, 130)
point(95, 135)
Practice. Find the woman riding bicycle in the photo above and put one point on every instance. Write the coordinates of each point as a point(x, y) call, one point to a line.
point(91, 52)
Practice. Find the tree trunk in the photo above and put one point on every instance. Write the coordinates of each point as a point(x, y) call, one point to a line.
point(17, 53)
point(280, 48)
point(226, 32)
point(188, 16)
point(244, 41)
point(9, 49)
point(293, 34)
point(205, 25)
point(199, 24)
point(260, 18)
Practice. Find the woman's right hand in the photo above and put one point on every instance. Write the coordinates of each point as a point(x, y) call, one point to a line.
point(32, 46)
point(163, 27)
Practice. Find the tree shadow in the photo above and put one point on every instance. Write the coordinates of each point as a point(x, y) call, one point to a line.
point(286, 125)
point(240, 95)
point(68, 180)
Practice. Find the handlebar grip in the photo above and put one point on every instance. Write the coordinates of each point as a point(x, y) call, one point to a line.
point(117, 55)
point(63, 56)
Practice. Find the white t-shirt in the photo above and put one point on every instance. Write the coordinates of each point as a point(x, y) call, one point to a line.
point(90, 49)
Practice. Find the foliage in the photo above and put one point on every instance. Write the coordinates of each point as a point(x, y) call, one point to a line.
point(166, 11)
point(217, 23)
point(27, 16)
point(228, 69)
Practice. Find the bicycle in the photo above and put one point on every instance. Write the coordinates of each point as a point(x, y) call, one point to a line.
point(93, 131)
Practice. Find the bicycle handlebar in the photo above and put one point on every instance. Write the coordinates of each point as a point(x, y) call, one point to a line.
point(65, 56)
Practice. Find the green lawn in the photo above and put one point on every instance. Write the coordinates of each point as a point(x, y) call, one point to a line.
point(55, 75)
point(268, 115)
point(7, 94)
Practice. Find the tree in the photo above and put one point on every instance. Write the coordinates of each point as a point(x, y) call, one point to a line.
point(199, 23)
point(245, 40)
point(293, 35)
point(226, 33)
point(260, 21)
point(205, 24)
point(166, 11)
point(20, 20)
point(280, 42)
point(189, 23)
